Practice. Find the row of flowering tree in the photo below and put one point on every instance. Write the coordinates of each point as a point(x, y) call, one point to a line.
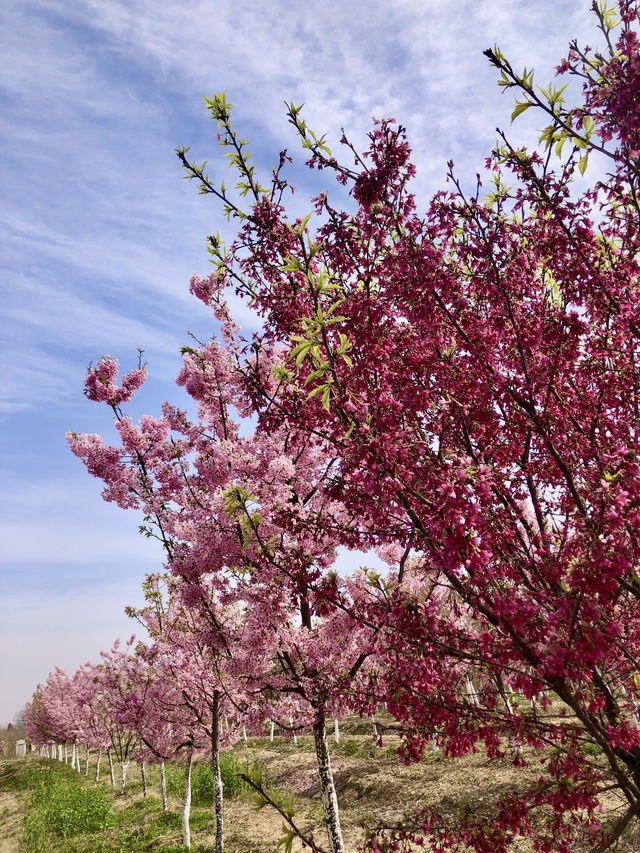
point(167, 699)
point(456, 386)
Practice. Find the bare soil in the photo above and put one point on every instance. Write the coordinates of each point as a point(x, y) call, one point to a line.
point(11, 813)
point(373, 786)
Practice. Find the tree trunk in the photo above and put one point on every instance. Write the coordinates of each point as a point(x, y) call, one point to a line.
point(186, 805)
point(86, 761)
point(113, 778)
point(144, 779)
point(336, 731)
point(271, 730)
point(327, 787)
point(98, 765)
point(163, 785)
point(66, 754)
point(215, 767)
point(123, 774)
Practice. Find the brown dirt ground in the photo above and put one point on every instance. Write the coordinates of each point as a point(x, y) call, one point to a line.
point(11, 811)
point(372, 786)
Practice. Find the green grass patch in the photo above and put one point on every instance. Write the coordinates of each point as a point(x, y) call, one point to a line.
point(59, 805)
point(202, 780)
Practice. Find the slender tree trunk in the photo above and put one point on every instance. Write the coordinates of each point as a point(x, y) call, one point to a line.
point(86, 761)
point(59, 752)
point(66, 754)
point(98, 765)
point(124, 765)
point(336, 731)
point(327, 787)
point(215, 767)
point(113, 778)
point(144, 779)
point(163, 786)
point(295, 736)
point(472, 693)
point(271, 730)
point(244, 734)
point(374, 728)
point(74, 755)
point(186, 805)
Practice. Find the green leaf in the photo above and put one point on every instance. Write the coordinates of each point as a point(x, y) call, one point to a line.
point(519, 108)
point(317, 374)
point(316, 391)
point(300, 352)
point(582, 165)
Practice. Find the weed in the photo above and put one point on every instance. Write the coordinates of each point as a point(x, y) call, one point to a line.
point(59, 805)
point(351, 747)
point(202, 780)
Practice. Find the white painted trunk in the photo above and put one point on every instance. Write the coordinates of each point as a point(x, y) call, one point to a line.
point(59, 752)
point(271, 729)
point(66, 754)
point(471, 692)
point(244, 734)
point(336, 731)
point(186, 805)
point(374, 728)
point(111, 773)
point(86, 761)
point(97, 776)
point(295, 736)
point(124, 766)
point(163, 786)
point(218, 800)
point(327, 787)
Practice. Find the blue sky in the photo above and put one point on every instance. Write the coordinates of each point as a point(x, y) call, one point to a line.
point(100, 234)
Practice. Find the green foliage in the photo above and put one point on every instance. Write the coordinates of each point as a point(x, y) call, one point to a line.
point(202, 793)
point(351, 747)
point(59, 804)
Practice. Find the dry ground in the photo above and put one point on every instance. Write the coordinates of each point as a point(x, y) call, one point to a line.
point(11, 812)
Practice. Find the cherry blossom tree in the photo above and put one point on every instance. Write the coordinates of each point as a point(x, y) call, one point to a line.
point(471, 371)
point(245, 523)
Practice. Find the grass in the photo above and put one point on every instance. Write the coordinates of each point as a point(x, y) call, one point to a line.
point(66, 813)
point(202, 780)
point(60, 805)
